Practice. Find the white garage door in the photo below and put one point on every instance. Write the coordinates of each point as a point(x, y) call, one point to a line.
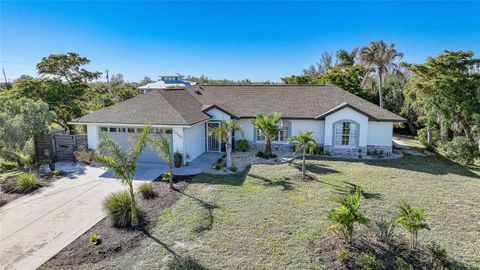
point(123, 136)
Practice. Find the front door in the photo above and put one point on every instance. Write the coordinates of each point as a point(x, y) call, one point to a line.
point(212, 143)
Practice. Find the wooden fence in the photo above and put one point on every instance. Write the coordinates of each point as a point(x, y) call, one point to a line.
point(61, 146)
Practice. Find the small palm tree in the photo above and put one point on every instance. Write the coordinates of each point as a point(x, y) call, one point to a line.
point(306, 142)
point(379, 58)
point(346, 215)
point(347, 59)
point(268, 126)
point(124, 163)
point(162, 146)
point(412, 220)
point(224, 133)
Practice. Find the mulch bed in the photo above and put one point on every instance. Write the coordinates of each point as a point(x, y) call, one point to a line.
point(308, 177)
point(118, 241)
point(326, 253)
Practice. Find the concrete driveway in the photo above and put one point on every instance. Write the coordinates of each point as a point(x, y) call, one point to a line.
point(35, 227)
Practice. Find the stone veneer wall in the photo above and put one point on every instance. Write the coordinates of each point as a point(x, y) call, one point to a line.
point(355, 152)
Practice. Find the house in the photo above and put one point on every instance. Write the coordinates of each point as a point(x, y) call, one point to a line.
point(168, 80)
point(342, 122)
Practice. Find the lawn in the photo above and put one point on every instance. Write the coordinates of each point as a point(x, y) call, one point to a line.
point(265, 220)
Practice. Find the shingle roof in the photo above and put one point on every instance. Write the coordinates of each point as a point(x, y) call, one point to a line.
point(292, 101)
point(159, 107)
point(190, 106)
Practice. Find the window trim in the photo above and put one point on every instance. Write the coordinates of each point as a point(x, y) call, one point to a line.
point(357, 134)
point(287, 123)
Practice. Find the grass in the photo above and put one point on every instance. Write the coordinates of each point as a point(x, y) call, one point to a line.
point(264, 220)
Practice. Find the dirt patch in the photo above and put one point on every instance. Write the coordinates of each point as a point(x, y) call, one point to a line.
point(115, 241)
point(308, 177)
point(334, 253)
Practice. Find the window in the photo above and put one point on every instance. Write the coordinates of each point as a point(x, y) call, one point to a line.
point(112, 129)
point(168, 131)
point(122, 130)
point(281, 136)
point(139, 130)
point(103, 129)
point(131, 130)
point(346, 133)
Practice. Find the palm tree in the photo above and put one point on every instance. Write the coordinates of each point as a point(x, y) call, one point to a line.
point(268, 126)
point(124, 163)
point(412, 220)
point(347, 59)
point(379, 58)
point(306, 141)
point(346, 215)
point(162, 146)
point(224, 133)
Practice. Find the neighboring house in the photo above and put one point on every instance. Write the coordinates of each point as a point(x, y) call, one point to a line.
point(342, 122)
point(169, 80)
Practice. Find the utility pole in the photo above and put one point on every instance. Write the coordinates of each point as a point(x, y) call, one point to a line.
point(5, 76)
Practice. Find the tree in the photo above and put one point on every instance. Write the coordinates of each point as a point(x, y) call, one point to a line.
point(347, 59)
point(380, 59)
point(124, 163)
point(68, 67)
point(325, 64)
point(306, 142)
point(412, 220)
point(268, 126)
point(162, 146)
point(224, 134)
point(21, 120)
point(347, 215)
point(146, 80)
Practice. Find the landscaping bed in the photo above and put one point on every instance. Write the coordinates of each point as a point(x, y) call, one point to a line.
point(115, 242)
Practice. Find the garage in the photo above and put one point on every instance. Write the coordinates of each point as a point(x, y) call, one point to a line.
point(124, 137)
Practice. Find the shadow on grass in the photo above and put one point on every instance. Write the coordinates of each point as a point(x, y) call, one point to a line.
point(435, 165)
point(284, 183)
point(205, 205)
point(179, 262)
point(349, 188)
point(320, 169)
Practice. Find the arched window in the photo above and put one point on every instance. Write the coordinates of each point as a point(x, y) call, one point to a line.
point(345, 133)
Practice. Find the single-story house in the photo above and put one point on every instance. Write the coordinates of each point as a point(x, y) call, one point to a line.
point(341, 122)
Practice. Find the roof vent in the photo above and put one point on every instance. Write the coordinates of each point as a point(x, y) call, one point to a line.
point(197, 92)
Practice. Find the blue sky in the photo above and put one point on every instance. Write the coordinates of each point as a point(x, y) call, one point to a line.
point(234, 40)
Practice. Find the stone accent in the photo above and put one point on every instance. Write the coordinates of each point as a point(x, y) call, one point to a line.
point(379, 150)
point(283, 148)
point(345, 152)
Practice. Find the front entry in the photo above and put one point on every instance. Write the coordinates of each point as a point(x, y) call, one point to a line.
point(212, 143)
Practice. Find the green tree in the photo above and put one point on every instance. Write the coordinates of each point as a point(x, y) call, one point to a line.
point(268, 126)
point(380, 59)
point(224, 134)
point(306, 142)
point(162, 146)
point(124, 163)
point(346, 58)
point(412, 220)
point(347, 215)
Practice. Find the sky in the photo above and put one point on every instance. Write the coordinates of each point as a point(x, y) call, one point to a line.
point(225, 40)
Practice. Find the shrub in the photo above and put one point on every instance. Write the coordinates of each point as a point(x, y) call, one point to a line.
point(118, 209)
point(401, 264)
point(56, 172)
point(220, 160)
point(217, 166)
point(166, 177)
point(318, 150)
point(343, 255)
point(85, 156)
point(423, 137)
point(412, 220)
point(385, 229)
point(438, 252)
point(242, 145)
point(461, 150)
point(6, 165)
point(367, 261)
point(95, 238)
point(26, 182)
point(146, 189)
point(234, 168)
point(262, 155)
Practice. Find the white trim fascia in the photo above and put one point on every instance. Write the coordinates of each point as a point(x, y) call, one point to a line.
point(127, 125)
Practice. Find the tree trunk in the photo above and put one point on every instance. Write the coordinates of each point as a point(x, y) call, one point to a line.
point(228, 148)
point(429, 136)
point(443, 131)
point(303, 163)
point(380, 90)
point(268, 147)
point(466, 129)
point(171, 174)
point(478, 134)
point(133, 205)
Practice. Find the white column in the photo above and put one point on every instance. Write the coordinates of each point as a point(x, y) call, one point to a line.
point(178, 141)
point(92, 136)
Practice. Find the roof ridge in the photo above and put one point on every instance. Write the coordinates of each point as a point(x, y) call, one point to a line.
point(258, 84)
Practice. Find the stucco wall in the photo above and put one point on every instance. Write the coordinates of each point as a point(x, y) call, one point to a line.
point(380, 133)
point(347, 114)
point(92, 136)
point(195, 140)
point(247, 127)
point(178, 142)
point(318, 128)
point(218, 115)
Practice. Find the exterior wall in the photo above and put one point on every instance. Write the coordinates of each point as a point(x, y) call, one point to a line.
point(318, 128)
point(93, 136)
point(248, 130)
point(347, 114)
point(380, 133)
point(218, 115)
point(195, 140)
point(178, 140)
